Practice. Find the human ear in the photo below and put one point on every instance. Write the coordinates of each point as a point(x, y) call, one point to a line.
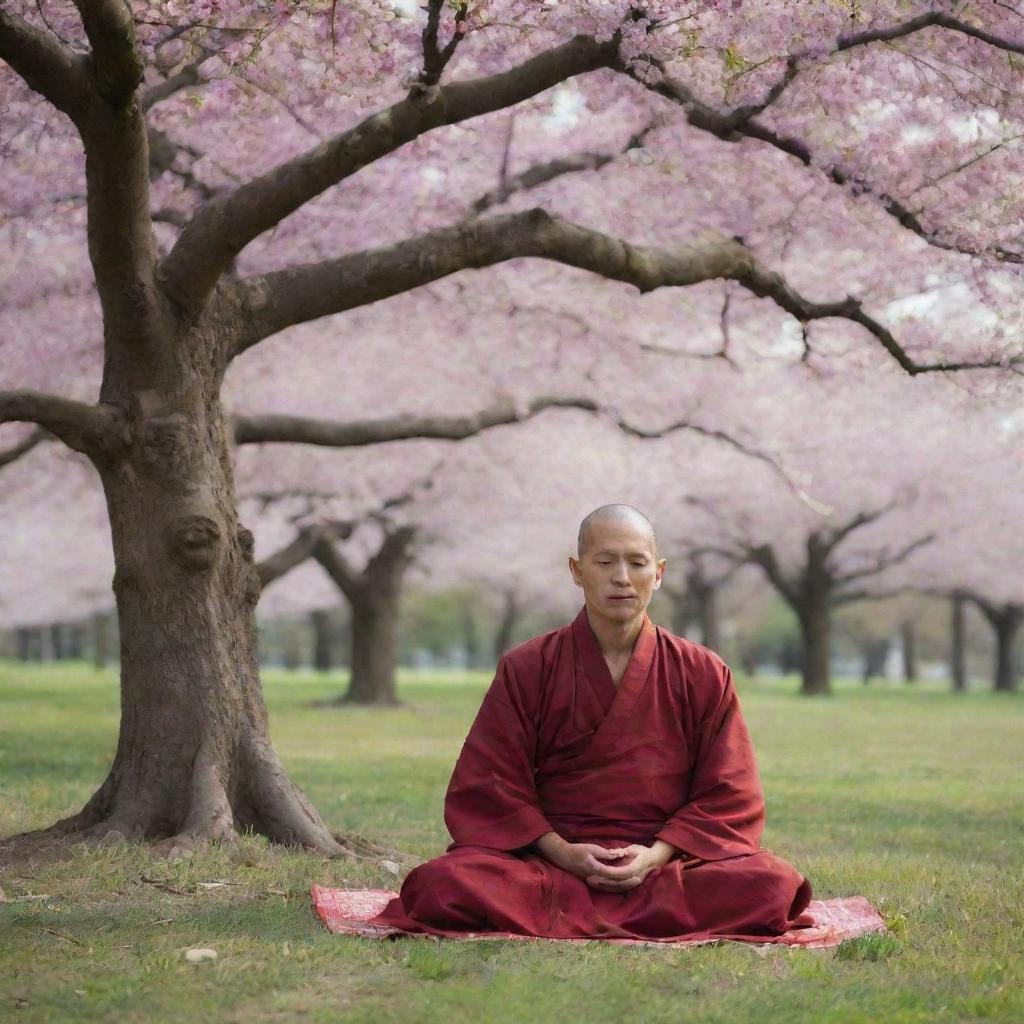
point(574, 568)
point(660, 573)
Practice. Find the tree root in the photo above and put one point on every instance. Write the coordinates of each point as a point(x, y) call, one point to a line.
point(279, 810)
point(263, 799)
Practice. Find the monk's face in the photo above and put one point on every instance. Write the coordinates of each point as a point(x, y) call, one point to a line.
point(618, 570)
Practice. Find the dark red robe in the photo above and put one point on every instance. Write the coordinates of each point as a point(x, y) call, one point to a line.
point(556, 746)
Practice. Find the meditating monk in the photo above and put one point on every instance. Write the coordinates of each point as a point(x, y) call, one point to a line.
point(607, 788)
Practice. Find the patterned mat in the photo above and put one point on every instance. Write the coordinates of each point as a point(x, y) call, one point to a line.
point(348, 911)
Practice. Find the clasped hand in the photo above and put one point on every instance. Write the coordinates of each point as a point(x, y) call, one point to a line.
point(608, 870)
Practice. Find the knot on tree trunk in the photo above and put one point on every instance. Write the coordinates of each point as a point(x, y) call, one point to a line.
point(193, 542)
point(246, 542)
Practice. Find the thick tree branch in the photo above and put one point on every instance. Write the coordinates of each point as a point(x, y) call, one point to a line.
point(395, 549)
point(47, 65)
point(298, 550)
point(833, 538)
point(435, 58)
point(356, 433)
point(883, 561)
point(183, 79)
point(994, 612)
point(764, 556)
point(16, 451)
point(272, 302)
point(122, 248)
point(116, 63)
point(96, 430)
point(279, 300)
point(345, 578)
point(222, 227)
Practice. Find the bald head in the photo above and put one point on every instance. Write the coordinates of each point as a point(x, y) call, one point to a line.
point(619, 515)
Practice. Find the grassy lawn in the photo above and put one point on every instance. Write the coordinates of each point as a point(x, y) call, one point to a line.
point(914, 799)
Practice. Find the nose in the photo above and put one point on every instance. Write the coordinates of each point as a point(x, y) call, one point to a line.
point(621, 574)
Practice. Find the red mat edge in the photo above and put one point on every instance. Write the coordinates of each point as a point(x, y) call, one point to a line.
point(861, 919)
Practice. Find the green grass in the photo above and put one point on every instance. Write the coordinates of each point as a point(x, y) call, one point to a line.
point(914, 799)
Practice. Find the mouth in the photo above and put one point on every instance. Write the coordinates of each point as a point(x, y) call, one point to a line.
point(622, 597)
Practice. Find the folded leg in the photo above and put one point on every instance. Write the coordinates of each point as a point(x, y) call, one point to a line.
point(471, 889)
point(751, 896)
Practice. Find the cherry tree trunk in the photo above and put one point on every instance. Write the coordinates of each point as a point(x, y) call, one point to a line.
point(510, 612)
point(291, 654)
point(23, 640)
point(1007, 629)
point(682, 611)
point(470, 632)
point(702, 599)
point(193, 759)
point(374, 649)
point(958, 643)
point(875, 654)
point(374, 596)
point(814, 612)
point(58, 648)
point(320, 620)
point(908, 640)
point(748, 659)
point(816, 634)
point(710, 620)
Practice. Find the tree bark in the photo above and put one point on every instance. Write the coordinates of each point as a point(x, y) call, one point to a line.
point(58, 649)
point(958, 643)
point(875, 653)
point(908, 640)
point(1007, 629)
point(193, 758)
point(682, 611)
point(704, 595)
point(509, 619)
point(291, 656)
point(374, 597)
point(814, 612)
point(748, 659)
point(816, 634)
point(470, 632)
point(374, 651)
point(320, 620)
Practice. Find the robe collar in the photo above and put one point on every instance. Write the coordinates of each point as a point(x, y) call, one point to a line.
point(633, 681)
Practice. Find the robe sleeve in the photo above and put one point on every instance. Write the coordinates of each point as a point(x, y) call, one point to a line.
point(724, 813)
point(492, 800)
